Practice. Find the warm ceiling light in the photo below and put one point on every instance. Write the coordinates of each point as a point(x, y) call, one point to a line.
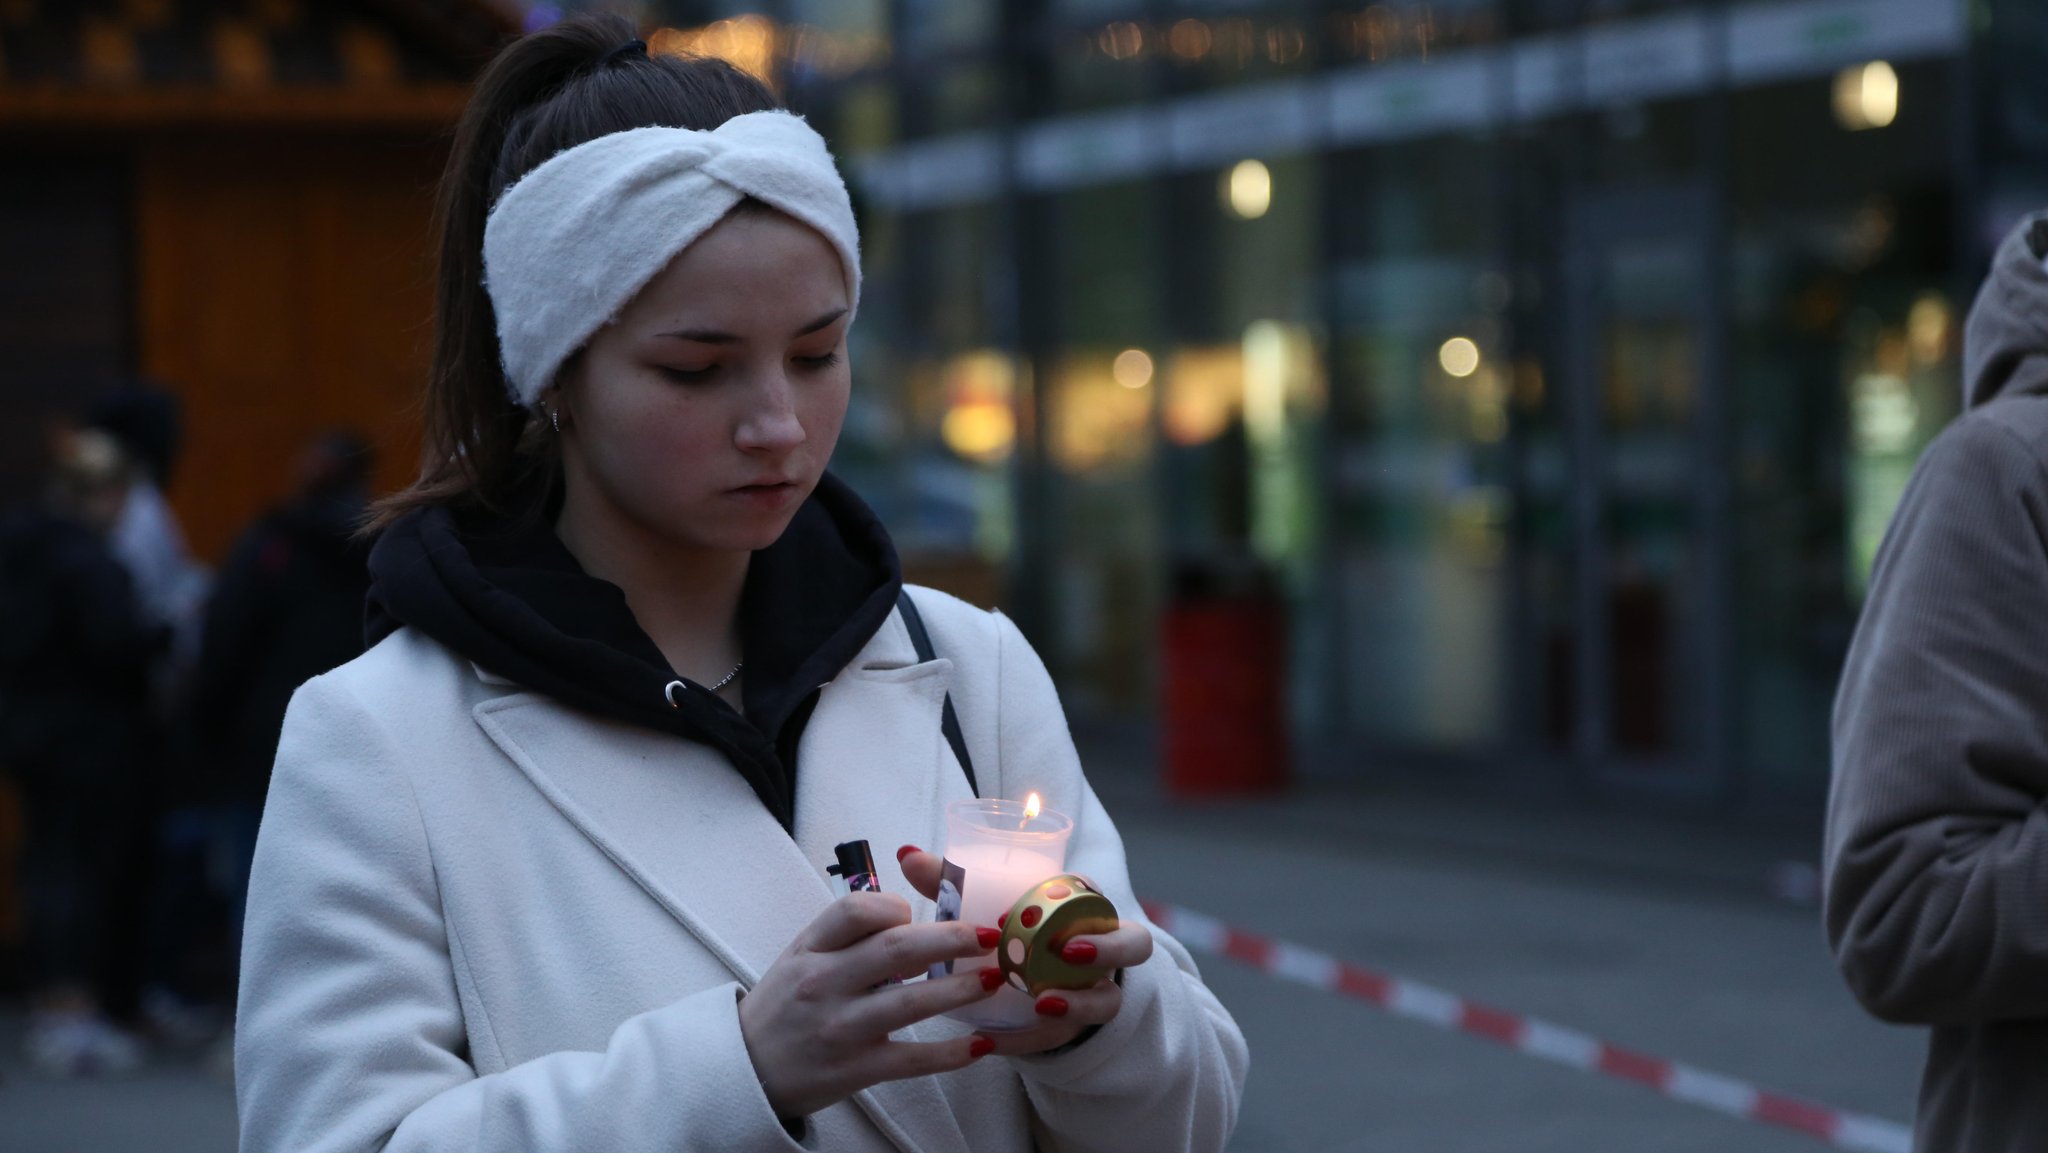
point(981, 431)
point(1189, 39)
point(1459, 356)
point(1248, 190)
point(1122, 40)
point(1867, 96)
point(1133, 369)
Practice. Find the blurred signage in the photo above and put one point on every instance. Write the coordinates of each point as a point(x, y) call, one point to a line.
point(1097, 149)
point(1225, 127)
point(1769, 42)
point(934, 173)
point(1541, 76)
point(1647, 59)
point(1400, 101)
point(1658, 57)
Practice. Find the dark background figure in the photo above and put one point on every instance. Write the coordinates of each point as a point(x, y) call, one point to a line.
point(74, 704)
point(148, 423)
point(286, 607)
point(167, 837)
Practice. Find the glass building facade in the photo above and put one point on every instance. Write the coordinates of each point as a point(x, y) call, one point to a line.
point(1561, 359)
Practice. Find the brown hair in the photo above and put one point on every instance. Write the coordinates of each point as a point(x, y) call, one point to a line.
point(544, 93)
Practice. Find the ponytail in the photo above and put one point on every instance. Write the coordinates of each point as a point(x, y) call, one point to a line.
point(542, 94)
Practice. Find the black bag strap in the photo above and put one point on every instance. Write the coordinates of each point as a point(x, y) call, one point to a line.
point(949, 721)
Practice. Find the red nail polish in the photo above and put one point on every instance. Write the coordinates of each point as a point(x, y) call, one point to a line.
point(1003, 920)
point(1052, 1006)
point(991, 979)
point(1079, 952)
point(980, 1047)
point(904, 852)
point(987, 937)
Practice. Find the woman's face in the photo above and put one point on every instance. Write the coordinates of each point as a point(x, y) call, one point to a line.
point(706, 413)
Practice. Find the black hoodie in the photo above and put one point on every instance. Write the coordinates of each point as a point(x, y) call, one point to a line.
point(506, 594)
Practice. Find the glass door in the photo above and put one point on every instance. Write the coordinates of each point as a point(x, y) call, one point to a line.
point(1647, 490)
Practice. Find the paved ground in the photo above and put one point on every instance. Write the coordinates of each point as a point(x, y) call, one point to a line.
point(173, 1107)
point(1657, 934)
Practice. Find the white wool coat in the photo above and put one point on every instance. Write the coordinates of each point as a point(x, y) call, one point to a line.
point(482, 922)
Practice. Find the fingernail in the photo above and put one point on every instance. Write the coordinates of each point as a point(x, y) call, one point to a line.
point(987, 937)
point(904, 852)
point(1052, 1006)
point(1079, 952)
point(980, 1047)
point(991, 979)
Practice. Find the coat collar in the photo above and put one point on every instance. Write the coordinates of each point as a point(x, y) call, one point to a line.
point(676, 818)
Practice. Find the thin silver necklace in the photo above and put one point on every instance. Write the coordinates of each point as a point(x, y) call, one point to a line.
point(670, 691)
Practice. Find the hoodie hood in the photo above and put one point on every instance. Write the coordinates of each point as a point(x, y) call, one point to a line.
point(2005, 349)
point(507, 595)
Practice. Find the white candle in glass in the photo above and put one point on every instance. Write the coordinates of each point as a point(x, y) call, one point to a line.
point(995, 853)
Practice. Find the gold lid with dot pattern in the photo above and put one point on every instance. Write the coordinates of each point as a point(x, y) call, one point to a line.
point(1038, 927)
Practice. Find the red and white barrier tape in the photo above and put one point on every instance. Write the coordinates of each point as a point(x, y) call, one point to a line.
point(1540, 1039)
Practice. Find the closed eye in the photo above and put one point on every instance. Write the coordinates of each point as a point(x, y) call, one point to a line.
point(700, 375)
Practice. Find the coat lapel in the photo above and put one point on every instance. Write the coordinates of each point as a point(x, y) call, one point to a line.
point(675, 817)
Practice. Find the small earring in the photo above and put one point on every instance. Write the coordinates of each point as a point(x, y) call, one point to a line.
point(555, 418)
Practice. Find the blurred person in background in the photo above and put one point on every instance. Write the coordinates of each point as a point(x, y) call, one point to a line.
point(1937, 839)
point(169, 584)
point(171, 829)
point(74, 667)
point(286, 607)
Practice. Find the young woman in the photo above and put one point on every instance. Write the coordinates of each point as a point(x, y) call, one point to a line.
point(544, 869)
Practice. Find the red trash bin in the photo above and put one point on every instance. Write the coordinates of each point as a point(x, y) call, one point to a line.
point(1224, 694)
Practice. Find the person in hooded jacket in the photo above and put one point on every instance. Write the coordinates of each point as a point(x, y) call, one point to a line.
point(74, 661)
point(1937, 836)
point(544, 869)
point(286, 607)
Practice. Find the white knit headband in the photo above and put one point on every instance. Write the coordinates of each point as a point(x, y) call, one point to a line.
point(569, 245)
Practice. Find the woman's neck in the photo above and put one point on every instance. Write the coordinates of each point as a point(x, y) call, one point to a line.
point(686, 600)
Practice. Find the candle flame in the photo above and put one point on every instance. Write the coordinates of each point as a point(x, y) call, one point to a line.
point(1031, 806)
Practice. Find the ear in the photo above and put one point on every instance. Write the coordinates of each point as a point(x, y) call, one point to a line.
point(559, 395)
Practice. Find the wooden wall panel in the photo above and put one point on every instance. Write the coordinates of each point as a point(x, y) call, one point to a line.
point(284, 288)
point(64, 297)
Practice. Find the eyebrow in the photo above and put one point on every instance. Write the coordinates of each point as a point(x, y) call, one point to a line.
point(712, 336)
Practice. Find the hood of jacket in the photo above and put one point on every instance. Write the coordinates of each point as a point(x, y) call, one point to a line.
point(506, 594)
point(2005, 349)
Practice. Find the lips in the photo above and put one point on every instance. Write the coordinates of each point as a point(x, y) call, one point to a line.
point(767, 494)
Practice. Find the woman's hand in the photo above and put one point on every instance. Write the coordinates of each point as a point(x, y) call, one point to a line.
point(1064, 1014)
point(817, 1026)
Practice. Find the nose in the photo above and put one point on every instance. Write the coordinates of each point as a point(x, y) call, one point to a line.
point(770, 424)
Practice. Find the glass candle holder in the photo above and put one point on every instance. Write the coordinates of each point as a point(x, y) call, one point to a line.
point(995, 854)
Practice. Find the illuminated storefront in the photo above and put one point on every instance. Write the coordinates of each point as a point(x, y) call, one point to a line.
point(1562, 359)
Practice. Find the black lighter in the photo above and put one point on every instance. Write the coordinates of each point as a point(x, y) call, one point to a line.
point(857, 866)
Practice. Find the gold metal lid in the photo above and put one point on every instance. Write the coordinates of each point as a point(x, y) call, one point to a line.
point(1040, 924)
